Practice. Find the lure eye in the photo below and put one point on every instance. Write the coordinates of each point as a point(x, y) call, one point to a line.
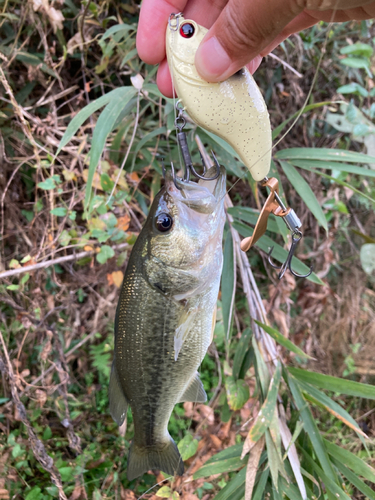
point(164, 222)
point(187, 30)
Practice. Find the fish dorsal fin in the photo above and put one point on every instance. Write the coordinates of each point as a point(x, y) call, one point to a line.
point(195, 392)
point(118, 404)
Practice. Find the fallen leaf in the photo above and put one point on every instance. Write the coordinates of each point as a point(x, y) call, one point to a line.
point(123, 222)
point(134, 177)
point(127, 494)
point(252, 467)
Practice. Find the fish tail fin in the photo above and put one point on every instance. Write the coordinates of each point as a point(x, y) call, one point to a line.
point(166, 458)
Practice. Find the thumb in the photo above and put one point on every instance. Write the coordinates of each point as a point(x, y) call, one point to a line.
point(242, 30)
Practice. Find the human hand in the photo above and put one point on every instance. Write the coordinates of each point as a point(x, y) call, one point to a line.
point(241, 31)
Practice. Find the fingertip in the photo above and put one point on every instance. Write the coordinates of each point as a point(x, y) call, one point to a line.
point(164, 79)
point(253, 65)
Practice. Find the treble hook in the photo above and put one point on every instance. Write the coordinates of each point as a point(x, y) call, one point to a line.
point(180, 123)
point(296, 237)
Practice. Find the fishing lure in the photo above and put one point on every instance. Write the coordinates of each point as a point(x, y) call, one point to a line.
point(234, 109)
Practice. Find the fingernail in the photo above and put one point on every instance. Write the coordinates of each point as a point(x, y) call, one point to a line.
point(212, 61)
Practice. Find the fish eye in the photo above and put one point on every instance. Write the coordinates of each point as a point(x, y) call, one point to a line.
point(187, 30)
point(163, 222)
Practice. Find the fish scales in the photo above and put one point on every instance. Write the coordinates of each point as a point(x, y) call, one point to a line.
point(233, 109)
point(165, 317)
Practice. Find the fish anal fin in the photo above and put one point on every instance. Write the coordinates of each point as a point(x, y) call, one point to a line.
point(118, 404)
point(194, 392)
point(165, 458)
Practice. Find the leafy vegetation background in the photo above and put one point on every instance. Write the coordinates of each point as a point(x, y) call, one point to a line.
point(68, 223)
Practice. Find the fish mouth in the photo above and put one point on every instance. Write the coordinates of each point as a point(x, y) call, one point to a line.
point(202, 196)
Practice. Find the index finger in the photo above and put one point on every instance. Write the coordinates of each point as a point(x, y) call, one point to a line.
point(153, 20)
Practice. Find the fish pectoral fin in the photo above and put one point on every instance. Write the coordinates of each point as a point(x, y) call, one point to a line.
point(118, 404)
point(195, 392)
point(163, 456)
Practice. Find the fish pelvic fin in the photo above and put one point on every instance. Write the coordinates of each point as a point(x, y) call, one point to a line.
point(118, 404)
point(164, 457)
point(194, 392)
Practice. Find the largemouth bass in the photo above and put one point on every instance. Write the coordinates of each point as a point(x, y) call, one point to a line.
point(234, 109)
point(165, 317)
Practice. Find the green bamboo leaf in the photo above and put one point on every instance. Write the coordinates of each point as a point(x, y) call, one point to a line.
point(88, 110)
point(345, 184)
point(335, 384)
point(323, 154)
point(355, 480)
point(305, 192)
point(320, 399)
point(289, 490)
point(144, 140)
point(251, 216)
point(330, 485)
point(259, 490)
point(227, 465)
point(241, 352)
point(262, 372)
point(266, 413)
point(237, 393)
point(311, 428)
point(332, 165)
point(355, 463)
point(276, 131)
point(228, 284)
point(104, 126)
point(118, 28)
point(234, 489)
point(361, 49)
point(273, 461)
point(231, 452)
point(280, 339)
point(279, 253)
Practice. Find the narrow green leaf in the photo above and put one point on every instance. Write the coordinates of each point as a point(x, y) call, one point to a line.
point(329, 484)
point(103, 127)
point(144, 140)
point(355, 463)
point(241, 352)
point(311, 428)
point(118, 28)
point(227, 465)
point(280, 339)
point(228, 284)
point(355, 480)
point(88, 110)
point(323, 154)
point(289, 490)
point(273, 461)
point(261, 371)
point(305, 192)
point(279, 253)
point(358, 48)
point(332, 165)
point(318, 397)
point(259, 490)
point(266, 413)
point(335, 384)
point(233, 489)
point(345, 184)
point(231, 452)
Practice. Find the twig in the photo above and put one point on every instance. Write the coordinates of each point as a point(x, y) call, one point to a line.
point(285, 64)
point(36, 444)
point(52, 262)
